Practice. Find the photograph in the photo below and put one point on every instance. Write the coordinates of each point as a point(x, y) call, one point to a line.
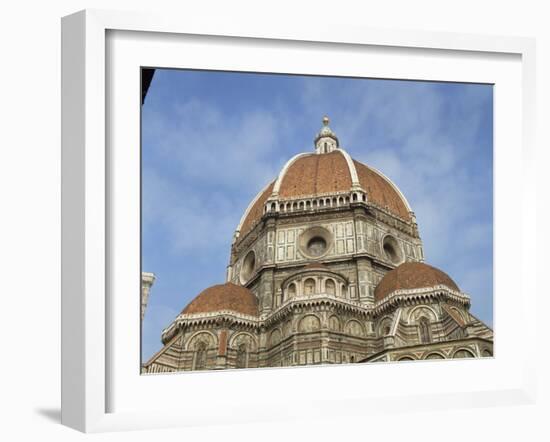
point(276, 220)
point(298, 220)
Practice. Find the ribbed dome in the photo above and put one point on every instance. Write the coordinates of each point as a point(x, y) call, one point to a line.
point(226, 296)
point(412, 275)
point(312, 174)
point(316, 174)
point(381, 191)
point(255, 209)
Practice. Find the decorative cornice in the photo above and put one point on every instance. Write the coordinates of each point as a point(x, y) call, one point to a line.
point(209, 318)
point(392, 301)
point(419, 296)
point(429, 347)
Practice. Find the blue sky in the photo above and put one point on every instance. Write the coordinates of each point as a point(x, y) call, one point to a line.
point(212, 140)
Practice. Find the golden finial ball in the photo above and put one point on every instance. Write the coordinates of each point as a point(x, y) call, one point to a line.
point(325, 120)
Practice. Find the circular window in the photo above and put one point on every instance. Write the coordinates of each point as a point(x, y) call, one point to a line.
point(391, 249)
point(249, 264)
point(316, 246)
point(315, 242)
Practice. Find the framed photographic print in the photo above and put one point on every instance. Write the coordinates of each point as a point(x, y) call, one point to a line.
point(250, 213)
point(326, 263)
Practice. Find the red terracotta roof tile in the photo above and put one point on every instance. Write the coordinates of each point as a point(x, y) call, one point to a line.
point(226, 296)
point(380, 191)
point(412, 275)
point(316, 174)
point(256, 211)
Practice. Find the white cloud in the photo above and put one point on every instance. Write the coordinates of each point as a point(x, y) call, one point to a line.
point(202, 138)
point(220, 161)
point(189, 219)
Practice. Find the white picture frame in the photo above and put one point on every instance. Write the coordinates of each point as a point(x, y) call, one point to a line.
point(91, 317)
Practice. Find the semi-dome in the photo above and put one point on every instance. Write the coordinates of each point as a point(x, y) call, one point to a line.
point(329, 170)
point(224, 297)
point(412, 275)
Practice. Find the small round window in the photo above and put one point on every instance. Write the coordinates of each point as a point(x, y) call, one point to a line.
point(315, 242)
point(391, 249)
point(249, 264)
point(316, 246)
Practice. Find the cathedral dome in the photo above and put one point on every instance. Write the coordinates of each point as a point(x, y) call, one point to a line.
point(328, 171)
point(412, 275)
point(223, 297)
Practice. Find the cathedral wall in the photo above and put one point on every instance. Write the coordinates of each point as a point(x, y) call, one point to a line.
point(356, 244)
point(315, 332)
point(456, 349)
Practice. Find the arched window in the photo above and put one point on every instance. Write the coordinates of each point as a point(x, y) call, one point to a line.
point(200, 356)
point(434, 356)
point(330, 287)
point(463, 354)
point(344, 291)
point(334, 323)
point(384, 328)
point(354, 328)
point(242, 356)
point(277, 299)
point(424, 331)
point(309, 323)
point(291, 290)
point(275, 337)
point(309, 286)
